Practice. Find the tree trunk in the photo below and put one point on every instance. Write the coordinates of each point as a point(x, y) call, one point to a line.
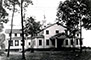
point(9, 42)
point(80, 37)
point(32, 45)
point(23, 53)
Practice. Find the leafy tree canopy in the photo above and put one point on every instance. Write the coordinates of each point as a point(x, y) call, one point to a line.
point(71, 12)
point(10, 3)
point(31, 27)
point(3, 15)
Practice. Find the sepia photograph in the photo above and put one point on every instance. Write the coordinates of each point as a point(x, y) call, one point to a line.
point(45, 29)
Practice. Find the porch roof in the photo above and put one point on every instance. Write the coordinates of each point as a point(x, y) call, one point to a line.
point(19, 38)
point(15, 38)
point(59, 36)
point(13, 31)
point(40, 36)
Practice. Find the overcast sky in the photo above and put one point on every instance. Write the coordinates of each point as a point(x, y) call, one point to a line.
point(49, 9)
point(38, 10)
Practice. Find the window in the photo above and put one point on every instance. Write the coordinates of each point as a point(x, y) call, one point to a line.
point(78, 34)
point(66, 42)
point(22, 43)
point(76, 41)
point(47, 41)
point(71, 42)
point(11, 42)
point(40, 42)
point(47, 31)
point(29, 43)
point(57, 31)
point(15, 34)
point(16, 42)
point(20, 34)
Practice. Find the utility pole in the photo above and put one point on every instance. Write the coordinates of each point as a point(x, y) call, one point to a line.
point(23, 53)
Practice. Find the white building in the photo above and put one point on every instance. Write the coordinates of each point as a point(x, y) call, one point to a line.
point(51, 31)
point(16, 41)
point(42, 40)
point(48, 32)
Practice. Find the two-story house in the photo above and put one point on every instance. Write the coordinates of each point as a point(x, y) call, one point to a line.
point(61, 41)
point(16, 41)
point(43, 39)
point(47, 33)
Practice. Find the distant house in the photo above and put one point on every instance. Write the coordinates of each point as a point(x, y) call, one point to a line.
point(16, 41)
point(52, 36)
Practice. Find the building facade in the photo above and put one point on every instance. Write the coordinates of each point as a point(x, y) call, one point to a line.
point(61, 41)
point(16, 40)
point(42, 40)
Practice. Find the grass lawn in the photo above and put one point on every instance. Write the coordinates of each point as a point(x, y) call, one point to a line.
point(52, 55)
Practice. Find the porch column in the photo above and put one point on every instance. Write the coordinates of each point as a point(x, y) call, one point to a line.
point(55, 43)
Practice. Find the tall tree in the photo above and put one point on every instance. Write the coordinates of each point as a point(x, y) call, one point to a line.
point(32, 28)
point(22, 4)
point(10, 4)
point(74, 14)
point(3, 19)
point(22, 20)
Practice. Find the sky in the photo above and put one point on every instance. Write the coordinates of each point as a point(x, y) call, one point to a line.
point(49, 9)
point(41, 8)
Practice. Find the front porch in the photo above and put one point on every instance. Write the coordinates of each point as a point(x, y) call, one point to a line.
point(58, 40)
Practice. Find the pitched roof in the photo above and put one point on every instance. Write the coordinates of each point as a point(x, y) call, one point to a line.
point(53, 25)
point(49, 26)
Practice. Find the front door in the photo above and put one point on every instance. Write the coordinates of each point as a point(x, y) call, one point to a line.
point(59, 43)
